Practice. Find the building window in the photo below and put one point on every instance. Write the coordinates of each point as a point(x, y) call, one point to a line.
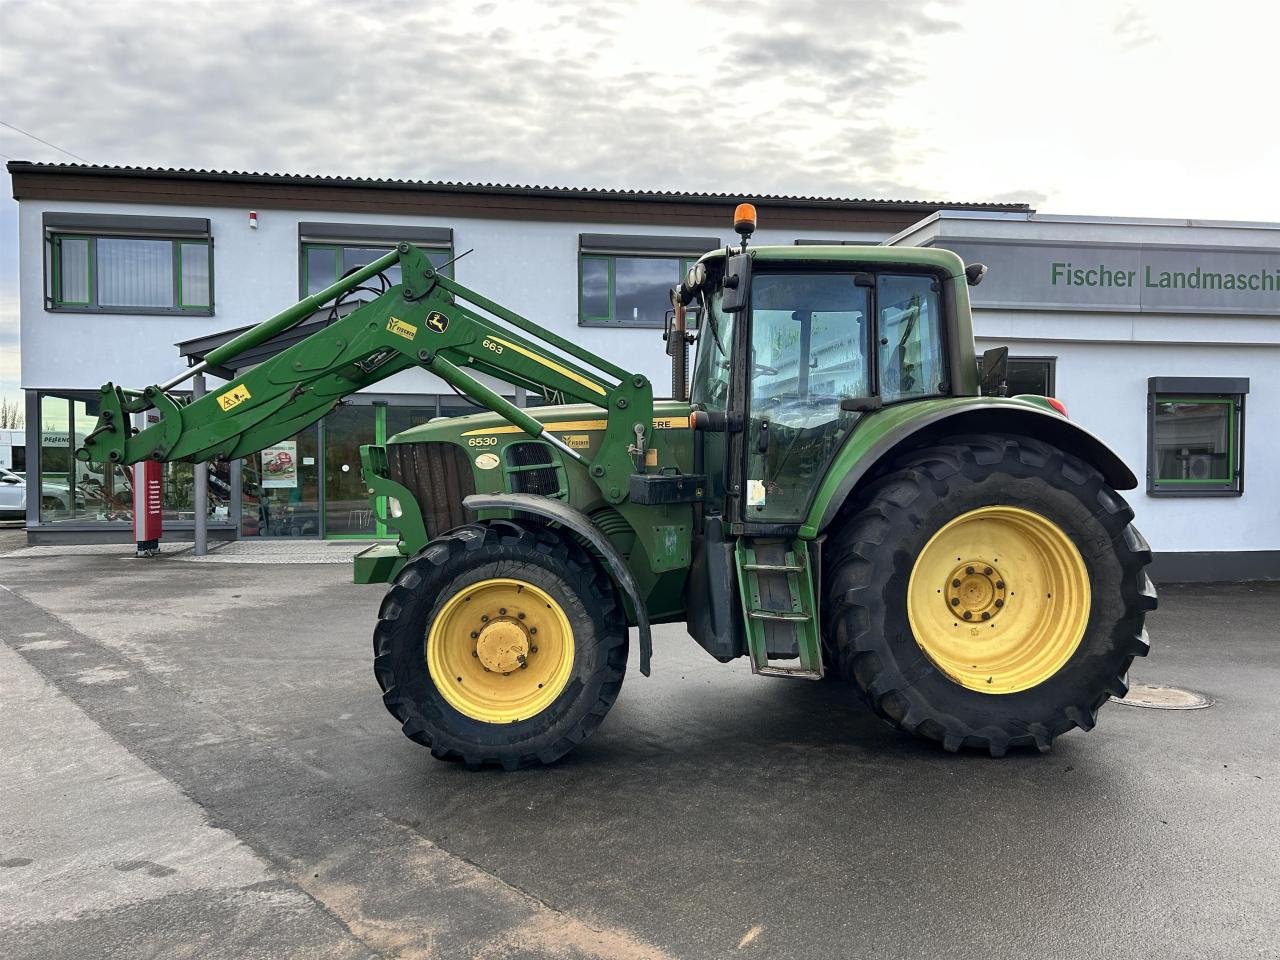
point(626, 280)
point(323, 264)
point(120, 274)
point(1195, 429)
point(1029, 375)
point(629, 291)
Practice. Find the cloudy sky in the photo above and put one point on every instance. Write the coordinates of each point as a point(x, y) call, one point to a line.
point(1142, 108)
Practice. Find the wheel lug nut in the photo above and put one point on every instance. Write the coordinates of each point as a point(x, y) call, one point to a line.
point(475, 653)
point(986, 615)
point(519, 616)
point(475, 635)
point(968, 569)
point(999, 584)
point(533, 649)
point(506, 674)
point(533, 630)
point(484, 618)
point(955, 601)
point(968, 615)
point(502, 611)
point(987, 571)
point(999, 603)
point(955, 583)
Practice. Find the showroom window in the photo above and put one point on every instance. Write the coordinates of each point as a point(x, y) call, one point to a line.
point(1195, 431)
point(625, 281)
point(74, 492)
point(328, 251)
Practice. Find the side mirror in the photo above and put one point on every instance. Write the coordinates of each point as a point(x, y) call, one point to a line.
point(974, 273)
point(994, 381)
point(861, 404)
point(737, 283)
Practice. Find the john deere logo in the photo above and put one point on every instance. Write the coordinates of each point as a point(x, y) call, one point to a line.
point(437, 322)
point(402, 329)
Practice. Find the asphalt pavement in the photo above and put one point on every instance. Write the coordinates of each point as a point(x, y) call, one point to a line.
point(194, 761)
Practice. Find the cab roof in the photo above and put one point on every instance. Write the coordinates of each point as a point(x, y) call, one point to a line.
point(843, 253)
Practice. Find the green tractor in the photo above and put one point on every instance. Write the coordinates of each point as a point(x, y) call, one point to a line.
point(836, 491)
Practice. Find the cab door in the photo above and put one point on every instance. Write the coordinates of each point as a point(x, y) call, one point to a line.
point(817, 338)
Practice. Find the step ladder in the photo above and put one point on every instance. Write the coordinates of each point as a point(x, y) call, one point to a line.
point(776, 580)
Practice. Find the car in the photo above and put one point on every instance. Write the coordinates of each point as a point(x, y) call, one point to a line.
point(13, 495)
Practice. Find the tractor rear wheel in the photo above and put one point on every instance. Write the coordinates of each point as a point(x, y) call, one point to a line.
point(987, 592)
point(500, 644)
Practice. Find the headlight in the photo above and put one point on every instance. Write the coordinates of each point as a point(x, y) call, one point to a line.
point(393, 507)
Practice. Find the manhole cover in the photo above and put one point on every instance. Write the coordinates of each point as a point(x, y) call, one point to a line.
point(1159, 697)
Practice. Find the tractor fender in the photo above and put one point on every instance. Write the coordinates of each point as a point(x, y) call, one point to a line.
point(579, 523)
point(979, 415)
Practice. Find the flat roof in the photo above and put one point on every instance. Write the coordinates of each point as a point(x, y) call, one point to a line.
point(1031, 217)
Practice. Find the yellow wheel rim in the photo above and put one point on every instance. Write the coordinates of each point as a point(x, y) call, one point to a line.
point(999, 599)
point(500, 650)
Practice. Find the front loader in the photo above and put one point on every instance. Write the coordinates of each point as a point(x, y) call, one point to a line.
point(833, 492)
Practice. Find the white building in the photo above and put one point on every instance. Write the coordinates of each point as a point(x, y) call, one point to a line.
point(196, 254)
point(1163, 338)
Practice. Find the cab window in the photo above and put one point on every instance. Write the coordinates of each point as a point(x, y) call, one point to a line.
point(911, 357)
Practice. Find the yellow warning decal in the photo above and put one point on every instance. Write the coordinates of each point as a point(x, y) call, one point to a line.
point(401, 329)
point(234, 397)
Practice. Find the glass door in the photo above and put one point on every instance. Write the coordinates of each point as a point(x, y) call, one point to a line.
point(347, 511)
point(810, 348)
point(281, 488)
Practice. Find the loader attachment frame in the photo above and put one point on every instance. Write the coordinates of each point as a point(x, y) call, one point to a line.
point(428, 321)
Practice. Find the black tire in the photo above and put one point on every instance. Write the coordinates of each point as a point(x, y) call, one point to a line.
point(871, 553)
point(476, 552)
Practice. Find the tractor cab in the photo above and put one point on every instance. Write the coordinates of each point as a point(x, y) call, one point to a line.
point(798, 345)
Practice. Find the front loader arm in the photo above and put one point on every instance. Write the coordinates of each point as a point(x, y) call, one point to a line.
point(428, 321)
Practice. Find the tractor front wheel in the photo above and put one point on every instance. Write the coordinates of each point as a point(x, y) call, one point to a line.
point(988, 592)
point(500, 644)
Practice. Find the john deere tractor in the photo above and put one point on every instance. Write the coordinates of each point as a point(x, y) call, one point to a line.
point(835, 491)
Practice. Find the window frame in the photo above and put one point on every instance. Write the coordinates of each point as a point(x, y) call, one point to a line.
point(1051, 361)
point(53, 302)
point(1228, 391)
point(336, 247)
point(684, 250)
point(940, 287)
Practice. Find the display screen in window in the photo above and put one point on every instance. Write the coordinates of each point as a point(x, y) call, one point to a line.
point(1194, 441)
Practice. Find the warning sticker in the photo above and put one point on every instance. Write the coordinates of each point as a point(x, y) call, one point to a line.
point(234, 397)
point(402, 329)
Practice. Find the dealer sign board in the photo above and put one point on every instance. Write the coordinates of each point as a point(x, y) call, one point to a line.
point(1123, 277)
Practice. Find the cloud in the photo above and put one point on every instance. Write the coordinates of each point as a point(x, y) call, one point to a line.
point(1133, 30)
point(765, 96)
